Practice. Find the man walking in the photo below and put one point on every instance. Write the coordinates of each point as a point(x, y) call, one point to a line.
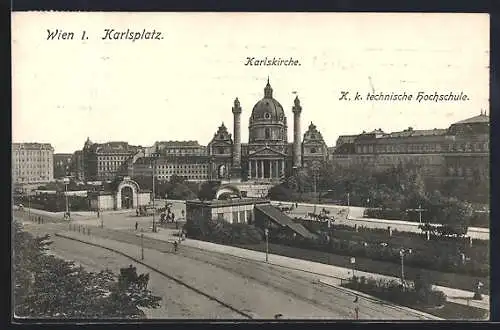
point(136, 225)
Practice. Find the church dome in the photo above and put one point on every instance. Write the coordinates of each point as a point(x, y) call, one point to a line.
point(268, 109)
point(268, 121)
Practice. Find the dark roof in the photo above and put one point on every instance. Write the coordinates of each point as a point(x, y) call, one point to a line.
point(482, 118)
point(421, 132)
point(190, 143)
point(276, 215)
point(32, 145)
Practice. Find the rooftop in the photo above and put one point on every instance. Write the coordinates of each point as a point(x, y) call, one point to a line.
point(482, 118)
point(421, 132)
point(32, 145)
point(189, 143)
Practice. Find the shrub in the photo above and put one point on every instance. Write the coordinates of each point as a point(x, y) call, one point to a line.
point(392, 290)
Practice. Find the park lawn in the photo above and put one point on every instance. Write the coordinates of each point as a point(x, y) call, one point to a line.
point(453, 280)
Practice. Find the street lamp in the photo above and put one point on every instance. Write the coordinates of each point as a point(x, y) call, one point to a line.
point(154, 156)
point(402, 254)
point(66, 181)
point(266, 231)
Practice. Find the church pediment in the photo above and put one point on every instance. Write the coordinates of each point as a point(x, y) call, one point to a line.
point(266, 151)
point(219, 143)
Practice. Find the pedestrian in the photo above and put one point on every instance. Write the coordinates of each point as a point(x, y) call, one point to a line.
point(176, 245)
point(136, 225)
point(177, 225)
point(98, 213)
point(173, 216)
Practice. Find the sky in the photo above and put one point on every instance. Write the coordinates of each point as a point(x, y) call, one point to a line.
point(182, 87)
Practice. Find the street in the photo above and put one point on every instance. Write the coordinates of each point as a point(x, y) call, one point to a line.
point(257, 288)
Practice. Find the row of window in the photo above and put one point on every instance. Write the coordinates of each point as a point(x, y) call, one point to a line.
point(430, 147)
point(31, 165)
point(184, 151)
point(392, 160)
point(182, 166)
point(112, 158)
point(32, 153)
point(30, 160)
point(30, 172)
point(187, 177)
point(467, 171)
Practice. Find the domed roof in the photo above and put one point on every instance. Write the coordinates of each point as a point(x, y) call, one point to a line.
point(482, 118)
point(268, 108)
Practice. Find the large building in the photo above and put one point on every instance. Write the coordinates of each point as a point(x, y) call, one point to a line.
point(459, 151)
point(105, 161)
point(32, 163)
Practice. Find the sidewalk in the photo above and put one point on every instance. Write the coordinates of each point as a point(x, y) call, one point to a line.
point(334, 273)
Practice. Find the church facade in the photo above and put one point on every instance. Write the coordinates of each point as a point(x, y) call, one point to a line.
point(268, 155)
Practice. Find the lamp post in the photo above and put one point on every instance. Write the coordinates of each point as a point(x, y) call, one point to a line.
point(142, 246)
point(353, 263)
point(153, 165)
point(66, 181)
point(348, 200)
point(29, 204)
point(266, 231)
point(402, 254)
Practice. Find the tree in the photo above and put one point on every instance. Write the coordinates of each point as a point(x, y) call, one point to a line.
point(48, 287)
point(281, 193)
point(181, 191)
point(208, 190)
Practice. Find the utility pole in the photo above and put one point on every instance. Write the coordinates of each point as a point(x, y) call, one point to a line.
point(348, 201)
point(142, 246)
point(419, 210)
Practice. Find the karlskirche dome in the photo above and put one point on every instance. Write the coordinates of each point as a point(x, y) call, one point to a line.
point(268, 109)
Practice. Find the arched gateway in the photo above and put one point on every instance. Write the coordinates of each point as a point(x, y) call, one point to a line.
point(227, 191)
point(127, 194)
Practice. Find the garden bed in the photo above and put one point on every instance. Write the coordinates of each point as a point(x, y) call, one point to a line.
point(458, 281)
point(419, 297)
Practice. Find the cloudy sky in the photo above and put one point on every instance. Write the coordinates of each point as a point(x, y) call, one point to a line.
point(183, 86)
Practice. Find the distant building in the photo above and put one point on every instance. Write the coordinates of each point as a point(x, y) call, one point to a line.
point(62, 165)
point(77, 168)
point(105, 161)
point(32, 163)
point(460, 151)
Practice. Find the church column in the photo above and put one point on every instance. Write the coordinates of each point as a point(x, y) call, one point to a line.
point(282, 166)
point(271, 169)
point(276, 169)
point(297, 156)
point(249, 169)
point(262, 169)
